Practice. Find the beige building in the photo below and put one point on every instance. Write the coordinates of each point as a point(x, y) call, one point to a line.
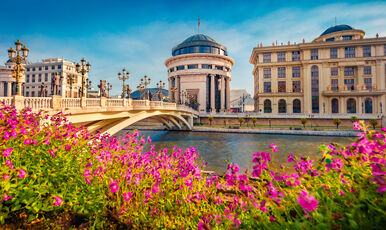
point(339, 72)
point(200, 74)
point(7, 82)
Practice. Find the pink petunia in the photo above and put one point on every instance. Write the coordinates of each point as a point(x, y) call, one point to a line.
point(114, 187)
point(51, 152)
point(22, 173)
point(6, 197)
point(7, 152)
point(273, 147)
point(58, 201)
point(127, 196)
point(308, 202)
point(27, 141)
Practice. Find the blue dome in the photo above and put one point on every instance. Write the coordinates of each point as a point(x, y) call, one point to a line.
point(337, 28)
point(199, 43)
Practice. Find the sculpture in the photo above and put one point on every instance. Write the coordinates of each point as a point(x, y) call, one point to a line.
point(55, 83)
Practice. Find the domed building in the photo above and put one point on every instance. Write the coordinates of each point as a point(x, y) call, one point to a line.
point(199, 74)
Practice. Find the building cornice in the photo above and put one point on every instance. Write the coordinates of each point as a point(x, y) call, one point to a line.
point(198, 55)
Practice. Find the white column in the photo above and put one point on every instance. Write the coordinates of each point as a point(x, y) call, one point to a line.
point(222, 93)
point(9, 89)
point(170, 89)
point(228, 92)
point(179, 89)
point(212, 104)
point(2, 89)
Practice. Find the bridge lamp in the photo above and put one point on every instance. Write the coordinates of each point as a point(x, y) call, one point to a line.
point(18, 55)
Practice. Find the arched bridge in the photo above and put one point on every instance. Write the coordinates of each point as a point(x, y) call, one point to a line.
point(110, 115)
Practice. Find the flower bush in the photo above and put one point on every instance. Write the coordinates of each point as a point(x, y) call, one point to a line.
point(52, 169)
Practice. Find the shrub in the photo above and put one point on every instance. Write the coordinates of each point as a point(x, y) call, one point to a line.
point(337, 122)
point(225, 121)
point(210, 120)
point(241, 120)
point(373, 122)
point(254, 120)
point(303, 120)
point(354, 119)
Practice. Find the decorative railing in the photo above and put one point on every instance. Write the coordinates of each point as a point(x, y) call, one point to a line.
point(139, 103)
point(93, 102)
point(71, 102)
point(114, 102)
point(6, 100)
point(38, 102)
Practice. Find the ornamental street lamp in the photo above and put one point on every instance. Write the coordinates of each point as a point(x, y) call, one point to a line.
point(108, 88)
point(17, 56)
point(83, 68)
point(71, 80)
point(123, 77)
point(160, 86)
point(140, 87)
point(145, 82)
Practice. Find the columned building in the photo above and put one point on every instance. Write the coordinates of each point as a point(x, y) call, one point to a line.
point(199, 73)
point(339, 72)
point(7, 82)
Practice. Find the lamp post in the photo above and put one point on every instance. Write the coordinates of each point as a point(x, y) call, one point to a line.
point(17, 56)
point(70, 81)
point(109, 87)
point(83, 68)
point(123, 77)
point(140, 87)
point(160, 86)
point(145, 82)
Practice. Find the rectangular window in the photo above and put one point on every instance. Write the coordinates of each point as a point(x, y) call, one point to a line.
point(366, 51)
point(266, 57)
point(334, 71)
point(33, 94)
point(367, 70)
point(40, 68)
point(40, 78)
point(206, 66)
point(314, 54)
point(33, 77)
point(27, 69)
point(348, 71)
point(349, 83)
point(267, 72)
point(27, 78)
point(368, 83)
point(296, 86)
point(295, 55)
point(46, 67)
point(27, 94)
point(384, 50)
point(181, 67)
point(59, 67)
point(281, 57)
point(334, 84)
point(347, 38)
point(296, 71)
point(219, 67)
point(46, 77)
point(281, 72)
point(330, 39)
point(267, 87)
point(193, 66)
point(281, 86)
point(171, 70)
point(333, 53)
point(53, 67)
point(349, 52)
point(33, 69)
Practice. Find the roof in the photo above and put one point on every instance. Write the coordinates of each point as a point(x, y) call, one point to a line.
point(199, 37)
point(337, 28)
point(192, 44)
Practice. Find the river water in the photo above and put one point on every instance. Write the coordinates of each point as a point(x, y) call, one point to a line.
point(219, 148)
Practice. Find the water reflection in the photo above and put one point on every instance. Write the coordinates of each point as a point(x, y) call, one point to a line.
point(217, 148)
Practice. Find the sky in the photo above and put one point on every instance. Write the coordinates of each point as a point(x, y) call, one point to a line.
point(139, 35)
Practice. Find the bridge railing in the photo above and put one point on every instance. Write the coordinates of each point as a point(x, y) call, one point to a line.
point(71, 102)
point(6, 100)
point(115, 102)
point(93, 102)
point(38, 102)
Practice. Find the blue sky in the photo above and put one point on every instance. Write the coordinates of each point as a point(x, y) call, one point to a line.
point(139, 35)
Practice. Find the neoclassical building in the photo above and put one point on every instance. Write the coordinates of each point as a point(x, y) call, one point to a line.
point(199, 71)
point(339, 72)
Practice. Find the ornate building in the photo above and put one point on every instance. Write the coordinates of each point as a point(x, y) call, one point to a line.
point(199, 73)
point(339, 72)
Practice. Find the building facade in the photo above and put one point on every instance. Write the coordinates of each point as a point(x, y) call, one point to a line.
point(200, 72)
point(340, 72)
point(7, 82)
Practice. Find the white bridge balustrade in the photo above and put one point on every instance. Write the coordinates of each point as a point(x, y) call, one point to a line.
point(109, 115)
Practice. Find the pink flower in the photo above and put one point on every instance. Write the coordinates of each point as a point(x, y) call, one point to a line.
point(201, 226)
point(291, 158)
point(27, 141)
point(68, 148)
point(58, 201)
point(272, 219)
point(51, 152)
point(6, 197)
point(22, 173)
point(307, 202)
point(127, 196)
point(114, 186)
point(47, 141)
point(273, 147)
point(7, 152)
point(6, 136)
point(6, 176)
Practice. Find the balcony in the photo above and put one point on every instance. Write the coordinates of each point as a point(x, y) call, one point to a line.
point(359, 90)
point(289, 93)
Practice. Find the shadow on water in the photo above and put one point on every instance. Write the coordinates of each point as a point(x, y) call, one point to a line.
point(217, 148)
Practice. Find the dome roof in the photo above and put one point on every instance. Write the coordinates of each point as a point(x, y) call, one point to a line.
point(337, 28)
point(199, 43)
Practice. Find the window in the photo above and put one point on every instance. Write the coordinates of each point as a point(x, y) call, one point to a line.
point(333, 53)
point(206, 66)
point(40, 78)
point(314, 54)
point(296, 106)
point(334, 85)
point(267, 72)
point(267, 87)
point(368, 83)
point(351, 106)
point(368, 105)
point(282, 106)
point(348, 71)
point(40, 68)
point(27, 94)
point(366, 51)
point(334, 105)
point(33, 94)
point(296, 56)
point(219, 67)
point(46, 77)
point(33, 77)
point(349, 83)
point(315, 89)
point(46, 67)
point(27, 78)
point(347, 38)
point(296, 71)
point(334, 71)
point(367, 70)
point(266, 57)
point(349, 52)
point(27, 69)
point(330, 39)
point(267, 106)
point(53, 67)
point(281, 57)
point(33, 69)
point(296, 86)
point(281, 72)
point(193, 66)
point(181, 67)
point(384, 50)
point(59, 67)
point(171, 70)
point(281, 86)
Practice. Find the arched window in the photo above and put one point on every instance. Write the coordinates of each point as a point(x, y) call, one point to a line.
point(368, 105)
point(296, 105)
point(351, 106)
point(315, 88)
point(267, 106)
point(282, 106)
point(335, 105)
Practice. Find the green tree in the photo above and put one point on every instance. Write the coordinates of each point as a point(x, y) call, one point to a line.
point(247, 120)
point(304, 121)
point(210, 120)
point(241, 120)
point(225, 122)
point(354, 119)
point(373, 122)
point(337, 122)
point(254, 120)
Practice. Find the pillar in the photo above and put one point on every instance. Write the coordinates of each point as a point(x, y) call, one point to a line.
point(9, 89)
point(222, 107)
point(2, 89)
point(178, 99)
point(170, 88)
point(212, 97)
point(228, 94)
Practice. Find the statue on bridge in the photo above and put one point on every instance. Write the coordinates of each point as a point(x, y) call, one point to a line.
point(55, 84)
point(128, 91)
point(102, 87)
point(43, 90)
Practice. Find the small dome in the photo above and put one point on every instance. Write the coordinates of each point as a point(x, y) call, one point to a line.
point(199, 37)
point(337, 28)
point(199, 43)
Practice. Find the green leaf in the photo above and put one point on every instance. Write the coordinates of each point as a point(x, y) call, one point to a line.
point(328, 161)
